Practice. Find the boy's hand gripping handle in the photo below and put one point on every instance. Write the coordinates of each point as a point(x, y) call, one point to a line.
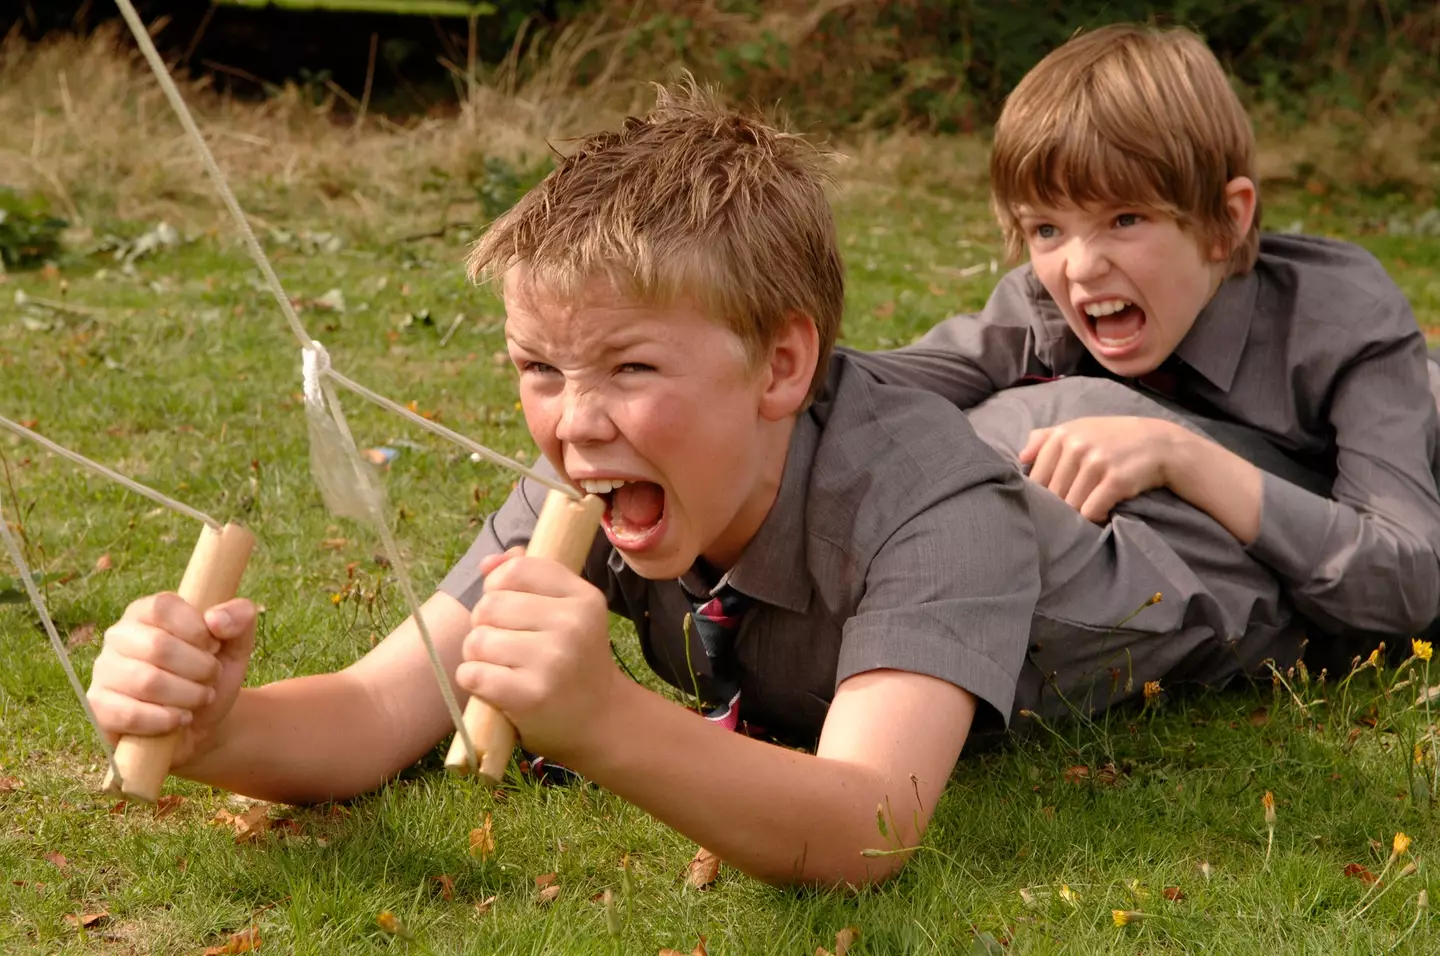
point(564, 532)
point(212, 577)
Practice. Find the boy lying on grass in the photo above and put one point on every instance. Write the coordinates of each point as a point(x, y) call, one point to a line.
point(864, 572)
point(1124, 163)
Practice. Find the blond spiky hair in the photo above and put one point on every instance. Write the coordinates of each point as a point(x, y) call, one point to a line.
point(691, 202)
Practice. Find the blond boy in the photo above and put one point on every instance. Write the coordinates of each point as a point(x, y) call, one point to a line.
point(1124, 164)
point(862, 570)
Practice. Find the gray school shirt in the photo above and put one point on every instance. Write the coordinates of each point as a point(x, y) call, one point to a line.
point(898, 539)
point(1319, 351)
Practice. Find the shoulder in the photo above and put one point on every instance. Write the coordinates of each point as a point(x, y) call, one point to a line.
point(1334, 283)
point(886, 455)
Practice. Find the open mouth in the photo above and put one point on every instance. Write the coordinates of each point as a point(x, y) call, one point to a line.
point(1117, 325)
point(634, 511)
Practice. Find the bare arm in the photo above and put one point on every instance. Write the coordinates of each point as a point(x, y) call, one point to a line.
point(890, 740)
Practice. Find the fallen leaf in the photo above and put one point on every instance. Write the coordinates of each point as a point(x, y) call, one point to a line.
point(80, 636)
point(103, 563)
point(703, 869)
point(1359, 872)
point(59, 860)
point(167, 805)
point(483, 907)
point(334, 544)
point(699, 950)
point(87, 919)
point(1076, 773)
point(549, 893)
point(447, 887)
point(248, 826)
point(845, 939)
point(1259, 717)
point(245, 942)
point(482, 840)
point(10, 784)
point(1173, 893)
point(287, 827)
point(118, 807)
point(544, 880)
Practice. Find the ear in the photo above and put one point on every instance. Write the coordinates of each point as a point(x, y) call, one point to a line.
point(789, 368)
point(1240, 199)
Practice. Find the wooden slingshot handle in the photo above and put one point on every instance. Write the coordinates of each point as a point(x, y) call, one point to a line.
point(564, 532)
point(212, 577)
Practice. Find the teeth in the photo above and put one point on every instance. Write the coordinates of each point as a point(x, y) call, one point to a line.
point(600, 486)
point(1106, 307)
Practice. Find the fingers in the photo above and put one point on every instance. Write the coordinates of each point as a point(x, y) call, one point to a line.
point(503, 647)
point(133, 641)
point(171, 613)
point(1037, 440)
point(492, 561)
point(231, 620)
point(121, 715)
point(512, 691)
point(1089, 474)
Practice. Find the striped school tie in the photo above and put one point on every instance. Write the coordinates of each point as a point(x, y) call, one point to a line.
point(716, 621)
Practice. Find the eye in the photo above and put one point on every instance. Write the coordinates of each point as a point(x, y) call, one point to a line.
point(1127, 219)
point(1044, 230)
point(537, 368)
point(636, 367)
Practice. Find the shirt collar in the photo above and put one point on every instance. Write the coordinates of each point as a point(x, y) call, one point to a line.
point(1216, 341)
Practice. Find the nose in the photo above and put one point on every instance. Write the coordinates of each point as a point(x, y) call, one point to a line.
point(1085, 260)
point(585, 417)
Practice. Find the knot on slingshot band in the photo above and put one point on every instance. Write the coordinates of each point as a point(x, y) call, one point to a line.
point(314, 364)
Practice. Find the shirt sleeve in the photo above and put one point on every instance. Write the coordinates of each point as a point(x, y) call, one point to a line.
point(1370, 558)
point(951, 592)
point(509, 527)
point(967, 358)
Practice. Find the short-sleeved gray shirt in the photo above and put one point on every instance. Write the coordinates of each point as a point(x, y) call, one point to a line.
point(899, 539)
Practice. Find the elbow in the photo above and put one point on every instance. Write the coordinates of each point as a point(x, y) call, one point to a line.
point(850, 870)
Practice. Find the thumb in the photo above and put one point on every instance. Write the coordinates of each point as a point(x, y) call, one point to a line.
point(1033, 445)
point(231, 619)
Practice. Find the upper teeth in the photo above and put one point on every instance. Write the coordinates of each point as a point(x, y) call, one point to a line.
point(1106, 307)
point(600, 486)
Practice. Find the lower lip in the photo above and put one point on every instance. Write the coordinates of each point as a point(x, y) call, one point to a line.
point(637, 544)
point(1120, 349)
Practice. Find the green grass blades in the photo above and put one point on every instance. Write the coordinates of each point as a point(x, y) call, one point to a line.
point(1145, 833)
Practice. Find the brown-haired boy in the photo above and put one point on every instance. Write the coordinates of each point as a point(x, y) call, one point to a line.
point(1124, 164)
point(863, 571)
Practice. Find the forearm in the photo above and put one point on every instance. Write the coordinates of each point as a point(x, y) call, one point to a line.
point(305, 740)
point(779, 815)
point(1217, 481)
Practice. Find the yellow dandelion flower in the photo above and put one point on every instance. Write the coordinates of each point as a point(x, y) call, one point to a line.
point(1152, 690)
point(1268, 802)
point(1374, 659)
point(1423, 649)
point(1069, 895)
point(1126, 917)
point(1156, 598)
point(1419, 755)
point(1401, 844)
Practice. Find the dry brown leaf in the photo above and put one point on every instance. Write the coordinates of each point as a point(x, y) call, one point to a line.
point(249, 826)
point(549, 893)
point(287, 827)
point(447, 887)
point(167, 805)
point(245, 942)
point(1173, 893)
point(59, 860)
point(699, 950)
point(10, 784)
point(845, 939)
point(545, 879)
point(80, 636)
point(118, 807)
point(103, 563)
point(703, 869)
point(86, 919)
point(1360, 873)
point(482, 840)
point(1076, 773)
point(483, 907)
point(333, 544)
point(1260, 716)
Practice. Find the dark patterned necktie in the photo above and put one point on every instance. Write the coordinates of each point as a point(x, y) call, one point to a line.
point(716, 622)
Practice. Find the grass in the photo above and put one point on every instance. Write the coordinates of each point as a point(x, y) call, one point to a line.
point(179, 371)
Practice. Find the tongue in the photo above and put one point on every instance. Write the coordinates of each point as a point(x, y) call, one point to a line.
point(1119, 326)
point(637, 504)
